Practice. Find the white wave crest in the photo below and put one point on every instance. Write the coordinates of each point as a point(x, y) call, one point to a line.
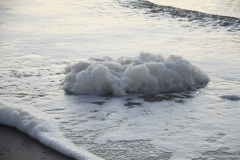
point(40, 129)
point(131, 74)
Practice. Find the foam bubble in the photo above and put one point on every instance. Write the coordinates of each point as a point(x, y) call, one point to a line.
point(131, 74)
point(40, 129)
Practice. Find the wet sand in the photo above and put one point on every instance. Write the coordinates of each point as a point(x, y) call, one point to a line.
point(15, 145)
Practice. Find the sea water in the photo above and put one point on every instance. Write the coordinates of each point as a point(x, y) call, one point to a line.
point(121, 79)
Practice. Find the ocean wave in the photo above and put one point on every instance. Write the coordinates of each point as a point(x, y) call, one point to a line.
point(190, 15)
point(40, 129)
point(144, 73)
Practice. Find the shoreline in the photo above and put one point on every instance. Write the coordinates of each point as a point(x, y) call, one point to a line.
point(16, 145)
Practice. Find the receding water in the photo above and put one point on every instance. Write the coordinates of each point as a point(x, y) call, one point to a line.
point(190, 111)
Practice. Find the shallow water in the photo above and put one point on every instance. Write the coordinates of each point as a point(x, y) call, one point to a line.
point(38, 39)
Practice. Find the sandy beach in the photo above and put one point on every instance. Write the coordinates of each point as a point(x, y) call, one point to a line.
point(15, 145)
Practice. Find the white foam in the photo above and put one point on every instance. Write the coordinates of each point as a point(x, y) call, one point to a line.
point(40, 129)
point(131, 74)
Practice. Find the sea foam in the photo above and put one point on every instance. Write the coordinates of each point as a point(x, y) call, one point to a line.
point(40, 129)
point(131, 74)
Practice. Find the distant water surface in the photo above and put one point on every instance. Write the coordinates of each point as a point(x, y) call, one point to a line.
point(219, 7)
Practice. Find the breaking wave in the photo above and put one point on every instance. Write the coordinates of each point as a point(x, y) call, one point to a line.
point(147, 72)
point(44, 129)
point(190, 15)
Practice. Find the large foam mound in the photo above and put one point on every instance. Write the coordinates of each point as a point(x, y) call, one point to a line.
point(131, 74)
